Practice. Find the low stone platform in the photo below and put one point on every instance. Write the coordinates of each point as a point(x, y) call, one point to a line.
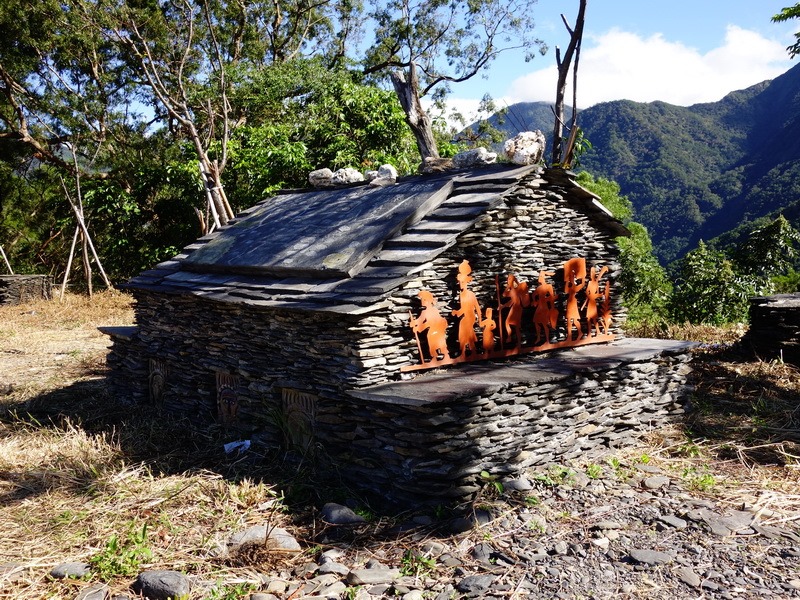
point(426, 440)
point(429, 439)
point(16, 289)
point(774, 332)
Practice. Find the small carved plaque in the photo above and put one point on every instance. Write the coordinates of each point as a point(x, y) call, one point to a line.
point(300, 414)
point(157, 380)
point(227, 397)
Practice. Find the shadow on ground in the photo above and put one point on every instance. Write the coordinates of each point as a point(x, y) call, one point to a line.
point(747, 408)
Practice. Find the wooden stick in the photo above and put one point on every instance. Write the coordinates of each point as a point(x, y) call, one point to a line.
point(5, 259)
point(499, 311)
point(209, 199)
point(69, 262)
point(416, 335)
point(87, 265)
point(82, 225)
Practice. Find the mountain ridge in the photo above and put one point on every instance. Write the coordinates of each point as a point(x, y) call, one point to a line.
point(695, 172)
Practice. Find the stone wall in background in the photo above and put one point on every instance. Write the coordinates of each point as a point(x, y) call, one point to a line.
point(15, 289)
point(774, 332)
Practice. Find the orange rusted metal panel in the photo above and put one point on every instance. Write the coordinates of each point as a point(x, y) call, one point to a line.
point(522, 321)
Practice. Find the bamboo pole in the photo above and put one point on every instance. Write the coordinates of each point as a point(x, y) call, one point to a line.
point(5, 259)
point(69, 262)
point(82, 225)
point(87, 265)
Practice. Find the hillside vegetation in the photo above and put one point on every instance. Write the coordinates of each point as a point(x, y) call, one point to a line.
point(694, 172)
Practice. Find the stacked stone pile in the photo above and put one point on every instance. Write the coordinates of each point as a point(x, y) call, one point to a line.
point(774, 332)
point(16, 289)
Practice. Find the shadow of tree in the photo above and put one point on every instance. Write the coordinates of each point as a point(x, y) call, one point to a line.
point(750, 409)
point(162, 442)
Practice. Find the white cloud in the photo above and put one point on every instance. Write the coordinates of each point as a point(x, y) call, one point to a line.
point(621, 65)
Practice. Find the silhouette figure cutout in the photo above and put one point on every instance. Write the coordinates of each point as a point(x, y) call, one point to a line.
point(435, 324)
point(590, 305)
point(545, 313)
point(469, 311)
point(517, 294)
point(488, 326)
point(574, 282)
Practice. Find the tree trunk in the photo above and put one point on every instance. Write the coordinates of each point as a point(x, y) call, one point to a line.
point(407, 90)
point(563, 72)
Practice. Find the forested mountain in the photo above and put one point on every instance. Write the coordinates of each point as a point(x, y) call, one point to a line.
point(694, 172)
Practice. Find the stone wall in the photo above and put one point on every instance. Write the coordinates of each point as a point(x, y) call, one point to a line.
point(16, 289)
point(774, 332)
point(189, 341)
point(535, 228)
point(398, 445)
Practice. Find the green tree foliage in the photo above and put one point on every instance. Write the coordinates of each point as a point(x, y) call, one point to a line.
point(714, 287)
point(426, 46)
point(62, 89)
point(710, 289)
point(786, 14)
point(769, 251)
point(643, 282)
point(32, 218)
point(321, 118)
point(140, 92)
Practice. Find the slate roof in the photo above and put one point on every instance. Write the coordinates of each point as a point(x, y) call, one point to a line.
point(343, 250)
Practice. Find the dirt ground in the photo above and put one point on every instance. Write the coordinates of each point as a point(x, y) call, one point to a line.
point(46, 344)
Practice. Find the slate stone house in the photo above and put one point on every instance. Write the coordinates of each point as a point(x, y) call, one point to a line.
point(292, 325)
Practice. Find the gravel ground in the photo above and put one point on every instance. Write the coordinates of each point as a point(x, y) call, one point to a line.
point(629, 532)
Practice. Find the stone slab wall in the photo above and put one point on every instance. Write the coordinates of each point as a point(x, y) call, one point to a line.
point(535, 228)
point(774, 332)
point(430, 452)
point(16, 289)
point(190, 341)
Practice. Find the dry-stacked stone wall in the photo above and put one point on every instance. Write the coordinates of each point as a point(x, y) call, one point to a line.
point(434, 443)
point(189, 341)
point(16, 289)
point(774, 332)
point(535, 228)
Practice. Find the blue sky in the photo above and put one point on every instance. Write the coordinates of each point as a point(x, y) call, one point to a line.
point(679, 51)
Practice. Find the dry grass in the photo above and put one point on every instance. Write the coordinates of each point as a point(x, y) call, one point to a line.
point(43, 343)
point(78, 468)
point(707, 334)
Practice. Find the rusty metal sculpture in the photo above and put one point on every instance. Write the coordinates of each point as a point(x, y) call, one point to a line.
point(436, 326)
point(593, 294)
point(574, 282)
point(469, 311)
point(517, 294)
point(524, 320)
point(545, 313)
